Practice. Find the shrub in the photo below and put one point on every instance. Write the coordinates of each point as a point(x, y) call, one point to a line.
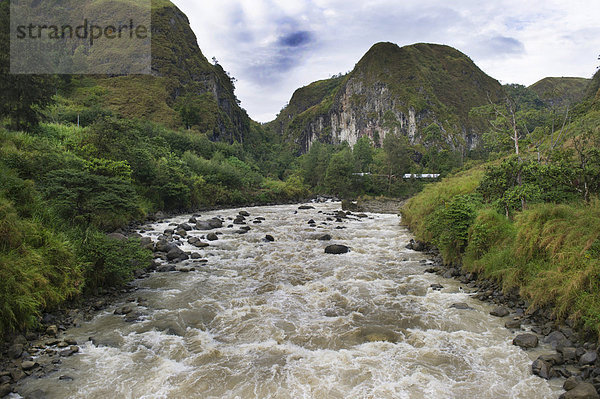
point(38, 269)
point(108, 261)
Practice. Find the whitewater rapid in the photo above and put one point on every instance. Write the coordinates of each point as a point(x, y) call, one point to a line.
point(283, 319)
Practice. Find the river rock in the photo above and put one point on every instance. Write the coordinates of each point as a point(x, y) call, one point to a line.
point(214, 223)
point(583, 390)
point(15, 351)
point(336, 249)
point(120, 311)
point(147, 243)
point(177, 254)
point(589, 357)
point(513, 324)
point(28, 365)
point(526, 341)
point(164, 246)
point(17, 375)
point(557, 339)
point(212, 237)
point(569, 353)
point(184, 226)
point(541, 369)
point(325, 237)
point(500, 311)
point(461, 306)
point(69, 352)
point(244, 213)
point(52, 330)
point(436, 287)
point(5, 389)
point(553, 359)
point(305, 207)
point(165, 268)
point(117, 236)
point(571, 383)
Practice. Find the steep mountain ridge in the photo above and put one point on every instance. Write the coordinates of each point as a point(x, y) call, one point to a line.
point(561, 91)
point(180, 75)
point(392, 89)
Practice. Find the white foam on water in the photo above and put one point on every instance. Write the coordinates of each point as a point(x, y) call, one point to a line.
point(285, 320)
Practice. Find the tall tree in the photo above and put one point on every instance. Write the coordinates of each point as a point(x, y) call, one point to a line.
point(21, 96)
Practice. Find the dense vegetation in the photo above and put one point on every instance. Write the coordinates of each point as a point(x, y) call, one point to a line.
point(529, 220)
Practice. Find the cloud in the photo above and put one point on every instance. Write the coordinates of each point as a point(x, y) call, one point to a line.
point(497, 46)
point(275, 46)
point(295, 39)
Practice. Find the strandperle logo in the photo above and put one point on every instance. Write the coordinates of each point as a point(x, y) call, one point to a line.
point(80, 37)
point(85, 31)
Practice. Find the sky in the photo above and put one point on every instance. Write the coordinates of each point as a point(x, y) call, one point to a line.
point(273, 47)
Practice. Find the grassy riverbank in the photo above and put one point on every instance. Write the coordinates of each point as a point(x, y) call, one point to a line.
point(549, 251)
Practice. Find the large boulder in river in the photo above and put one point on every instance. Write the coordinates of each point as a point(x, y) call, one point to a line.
point(541, 368)
point(526, 341)
point(336, 249)
point(581, 391)
point(177, 254)
point(589, 357)
point(499, 311)
point(212, 237)
point(164, 246)
point(214, 223)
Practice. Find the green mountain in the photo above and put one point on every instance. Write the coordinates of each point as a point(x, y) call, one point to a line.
point(593, 91)
point(423, 91)
point(184, 89)
point(561, 92)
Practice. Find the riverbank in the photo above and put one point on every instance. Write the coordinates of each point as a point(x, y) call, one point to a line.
point(545, 254)
point(574, 355)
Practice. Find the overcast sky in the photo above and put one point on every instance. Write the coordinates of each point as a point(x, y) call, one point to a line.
point(274, 47)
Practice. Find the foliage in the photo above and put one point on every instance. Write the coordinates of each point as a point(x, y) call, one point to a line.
point(38, 268)
point(109, 262)
point(434, 197)
point(449, 225)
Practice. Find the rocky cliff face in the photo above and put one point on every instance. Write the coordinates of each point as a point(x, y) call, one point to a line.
point(177, 57)
point(423, 91)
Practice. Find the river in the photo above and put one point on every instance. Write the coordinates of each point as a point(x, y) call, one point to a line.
point(283, 319)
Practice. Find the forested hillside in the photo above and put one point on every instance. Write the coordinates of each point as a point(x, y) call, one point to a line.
point(529, 220)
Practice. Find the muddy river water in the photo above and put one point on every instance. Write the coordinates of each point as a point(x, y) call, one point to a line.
point(283, 319)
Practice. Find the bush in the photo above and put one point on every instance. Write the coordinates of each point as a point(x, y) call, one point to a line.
point(89, 199)
point(38, 269)
point(108, 261)
point(449, 225)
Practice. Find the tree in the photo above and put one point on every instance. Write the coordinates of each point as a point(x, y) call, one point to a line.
point(338, 177)
point(397, 156)
point(21, 96)
point(363, 153)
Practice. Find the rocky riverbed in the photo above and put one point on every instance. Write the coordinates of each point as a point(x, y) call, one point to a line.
point(318, 300)
point(574, 354)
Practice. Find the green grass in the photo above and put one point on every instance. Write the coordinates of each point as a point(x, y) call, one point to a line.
point(434, 196)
